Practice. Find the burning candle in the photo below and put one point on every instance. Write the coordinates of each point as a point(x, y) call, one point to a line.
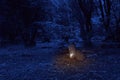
point(72, 55)
point(72, 51)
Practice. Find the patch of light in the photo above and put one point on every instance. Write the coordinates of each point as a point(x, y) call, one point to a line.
point(72, 55)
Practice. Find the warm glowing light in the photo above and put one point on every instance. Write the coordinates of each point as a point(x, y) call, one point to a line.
point(72, 55)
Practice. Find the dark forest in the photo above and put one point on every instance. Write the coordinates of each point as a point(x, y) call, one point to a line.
point(59, 39)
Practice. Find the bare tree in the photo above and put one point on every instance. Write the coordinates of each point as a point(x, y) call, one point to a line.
point(105, 8)
point(116, 16)
point(83, 9)
point(110, 13)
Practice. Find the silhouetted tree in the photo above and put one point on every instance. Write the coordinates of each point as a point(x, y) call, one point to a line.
point(115, 11)
point(105, 8)
point(83, 9)
point(110, 13)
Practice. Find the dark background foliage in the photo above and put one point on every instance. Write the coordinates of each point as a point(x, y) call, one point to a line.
point(28, 21)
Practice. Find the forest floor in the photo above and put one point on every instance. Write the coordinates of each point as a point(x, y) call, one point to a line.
point(44, 62)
